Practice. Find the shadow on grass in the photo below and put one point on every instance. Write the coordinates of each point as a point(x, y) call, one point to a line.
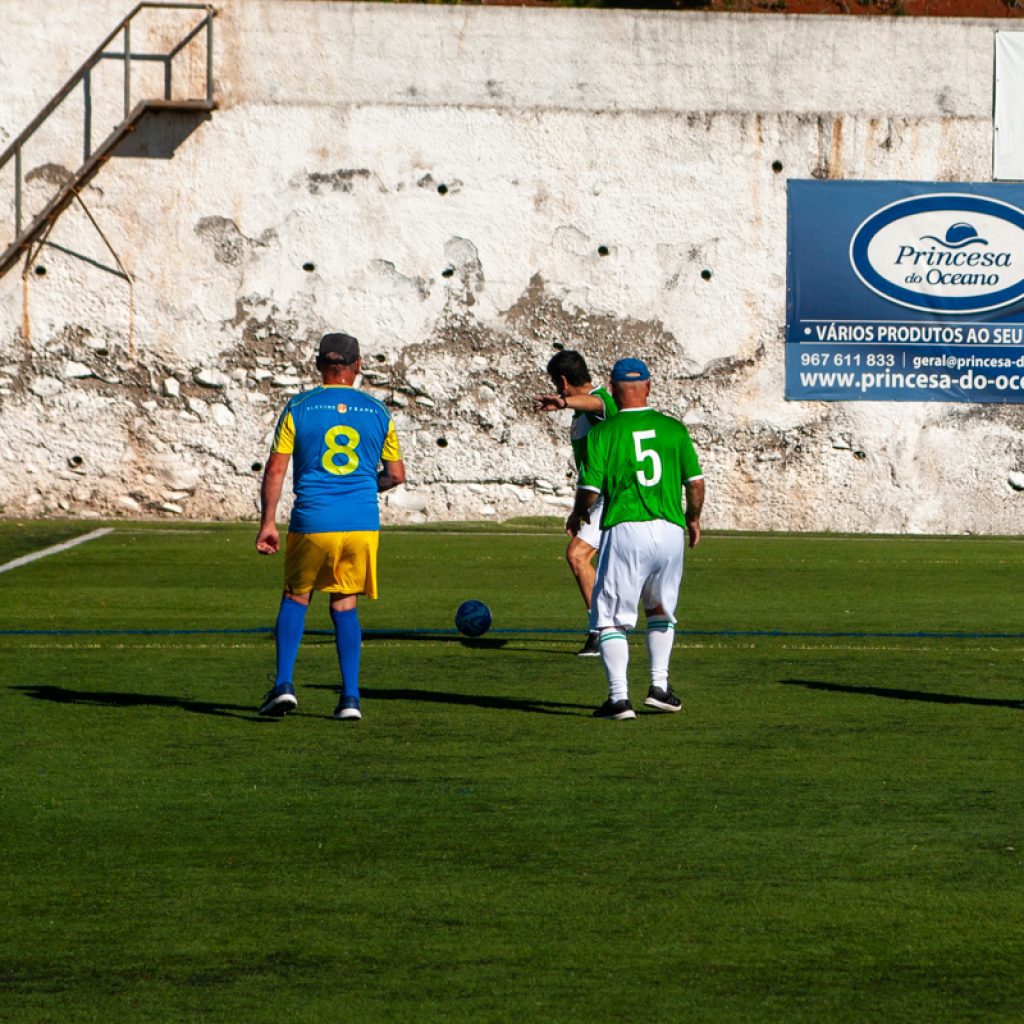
point(895, 694)
point(369, 636)
point(485, 643)
point(520, 644)
point(540, 707)
point(100, 698)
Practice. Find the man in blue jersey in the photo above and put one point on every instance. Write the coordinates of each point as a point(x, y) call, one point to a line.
point(338, 437)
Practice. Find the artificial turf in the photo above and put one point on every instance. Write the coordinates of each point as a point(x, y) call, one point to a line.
point(831, 830)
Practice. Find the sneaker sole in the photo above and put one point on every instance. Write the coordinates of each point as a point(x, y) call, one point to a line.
point(279, 708)
point(620, 717)
point(651, 702)
point(588, 654)
point(348, 715)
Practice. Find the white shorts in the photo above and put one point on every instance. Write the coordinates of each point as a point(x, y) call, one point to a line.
point(590, 533)
point(637, 563)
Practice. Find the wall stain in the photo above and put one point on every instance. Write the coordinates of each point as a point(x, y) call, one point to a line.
point(50, 174)
point(342, 180)
point(830, 148)
point(230, 246)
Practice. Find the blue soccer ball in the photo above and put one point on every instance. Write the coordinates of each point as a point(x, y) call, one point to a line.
point(473, 618)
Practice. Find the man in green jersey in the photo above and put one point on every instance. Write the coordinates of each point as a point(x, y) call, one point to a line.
point(642, 462)
point(590, 405)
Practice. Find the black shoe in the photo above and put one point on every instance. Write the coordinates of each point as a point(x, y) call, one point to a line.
point(591, 649)
point(615, 709)
point(278, 701)
point(663, 700)
point(348, 710)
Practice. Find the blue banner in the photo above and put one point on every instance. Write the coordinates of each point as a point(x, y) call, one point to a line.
point(905, 291)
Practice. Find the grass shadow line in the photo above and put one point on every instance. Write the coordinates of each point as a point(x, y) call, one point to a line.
point(370, 635)
point(541, 707)
point(484, 643)
point(899, 694)
point(111, 699)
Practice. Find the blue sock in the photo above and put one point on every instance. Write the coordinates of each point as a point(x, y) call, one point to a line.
point(348, 637)
point(291, 621)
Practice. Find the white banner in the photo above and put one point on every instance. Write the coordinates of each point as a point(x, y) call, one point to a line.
point(1008, 141)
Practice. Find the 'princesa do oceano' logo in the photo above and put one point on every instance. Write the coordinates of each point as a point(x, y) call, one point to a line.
point(946, 252)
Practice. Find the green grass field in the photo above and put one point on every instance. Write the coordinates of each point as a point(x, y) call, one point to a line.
point(832, 829)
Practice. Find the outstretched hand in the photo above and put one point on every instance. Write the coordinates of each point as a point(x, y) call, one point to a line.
point(549, 403)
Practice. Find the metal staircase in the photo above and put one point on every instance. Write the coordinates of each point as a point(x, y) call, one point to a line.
point(26, 227)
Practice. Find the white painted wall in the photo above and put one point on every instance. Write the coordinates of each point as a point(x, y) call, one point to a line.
point(555, 132)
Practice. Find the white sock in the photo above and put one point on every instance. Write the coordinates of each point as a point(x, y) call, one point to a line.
point(660, 637)
point(615, 658)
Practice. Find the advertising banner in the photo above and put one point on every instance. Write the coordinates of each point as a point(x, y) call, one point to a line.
point(905, 291)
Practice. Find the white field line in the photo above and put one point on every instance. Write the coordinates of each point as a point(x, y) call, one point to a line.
point(55, 549)
point(161, 529)
point(710, 538)
point(1014, 650)
point(556, 531)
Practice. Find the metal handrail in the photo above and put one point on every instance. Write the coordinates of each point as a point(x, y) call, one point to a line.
point(83, 76)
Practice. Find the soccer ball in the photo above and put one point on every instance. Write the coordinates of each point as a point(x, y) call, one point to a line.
point(473, 618)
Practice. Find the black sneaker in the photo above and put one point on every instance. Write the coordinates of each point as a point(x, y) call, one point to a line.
point(615, 709)
point(663, 700)
point(348, 710)
point(279, 701)
point(591, 649)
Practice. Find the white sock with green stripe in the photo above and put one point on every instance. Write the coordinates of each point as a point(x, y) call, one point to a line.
point(615, 658)
point(660, 637)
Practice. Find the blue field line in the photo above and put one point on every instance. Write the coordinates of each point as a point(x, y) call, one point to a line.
point(738, 633)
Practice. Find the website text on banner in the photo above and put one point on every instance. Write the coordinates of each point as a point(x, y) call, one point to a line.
point(905, 291)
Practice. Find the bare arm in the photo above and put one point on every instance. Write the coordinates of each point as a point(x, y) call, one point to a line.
point(694, 506)
point(391, 475)
point(579, 403)
point(268, 540)
point(580, 511)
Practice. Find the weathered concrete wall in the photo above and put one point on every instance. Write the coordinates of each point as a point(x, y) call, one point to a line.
point(464, 189)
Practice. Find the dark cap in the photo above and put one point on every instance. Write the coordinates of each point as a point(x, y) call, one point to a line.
point(630, 371)
point(339, 348)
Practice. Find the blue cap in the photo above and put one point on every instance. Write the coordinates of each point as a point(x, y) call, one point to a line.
point(629, 371)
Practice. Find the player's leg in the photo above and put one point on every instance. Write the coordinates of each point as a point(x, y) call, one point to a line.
point(580, 556)
point(660, 638)
point(613, 614)
point(659, 597)
point(348, 640)
point(353, 572)
point(299, 574)
point(288, 630)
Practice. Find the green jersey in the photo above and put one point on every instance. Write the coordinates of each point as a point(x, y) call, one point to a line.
point(639, 460)
point(582, 422)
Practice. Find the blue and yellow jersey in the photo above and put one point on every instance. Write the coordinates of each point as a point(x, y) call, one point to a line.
point(337, 437)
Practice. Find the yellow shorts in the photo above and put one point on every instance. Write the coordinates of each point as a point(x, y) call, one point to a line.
point(338, 563)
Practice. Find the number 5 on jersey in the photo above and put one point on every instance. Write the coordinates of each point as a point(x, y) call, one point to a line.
point(643, 454)
point(345, 451)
